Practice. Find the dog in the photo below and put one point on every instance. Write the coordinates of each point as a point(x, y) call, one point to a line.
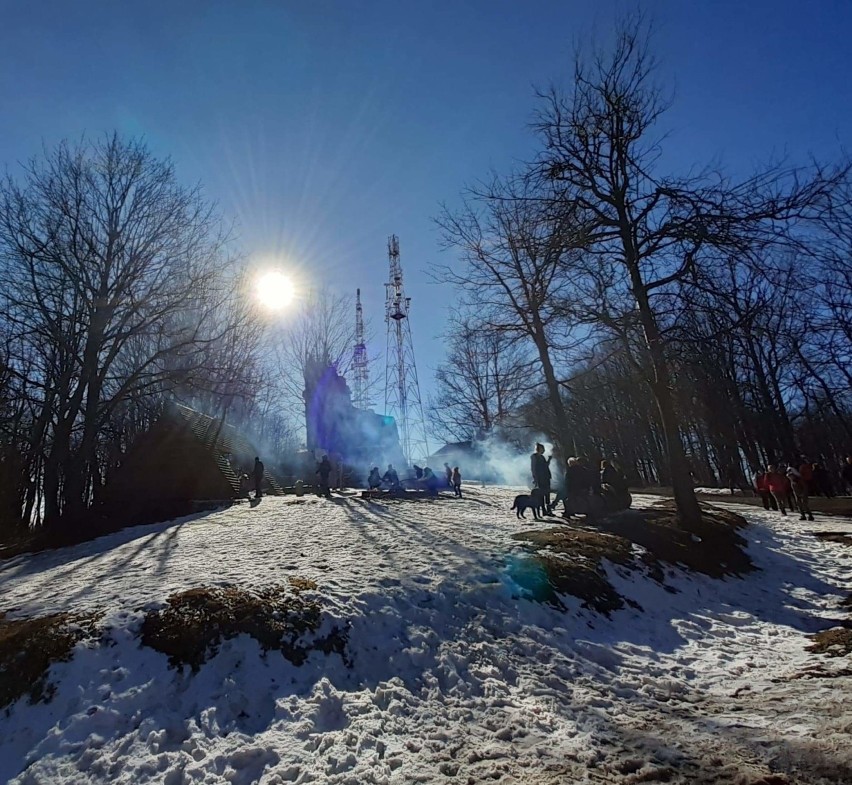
point(533, 501)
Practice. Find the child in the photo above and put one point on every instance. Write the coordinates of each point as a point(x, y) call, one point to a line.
point(457, 481)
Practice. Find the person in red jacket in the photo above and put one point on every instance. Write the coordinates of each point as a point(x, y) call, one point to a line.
point(762, 489)
point(778, 485)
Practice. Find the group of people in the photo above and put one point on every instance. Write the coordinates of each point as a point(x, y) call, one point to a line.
point(423, 475)
point(579, 482)
point(782, 486)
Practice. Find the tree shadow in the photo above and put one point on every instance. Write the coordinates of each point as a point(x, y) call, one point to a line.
point(157, 536)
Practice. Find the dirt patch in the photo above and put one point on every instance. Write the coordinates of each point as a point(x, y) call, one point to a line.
point(839, 537)
point(28, 647)
point(836, 642)
point(571, 559)
point(715, 548)
point(571, 562)
point(190, 629)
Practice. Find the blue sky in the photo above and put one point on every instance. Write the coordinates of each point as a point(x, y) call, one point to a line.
point(322, 127)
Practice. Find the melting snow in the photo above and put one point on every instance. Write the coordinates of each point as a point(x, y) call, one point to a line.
point(455, 677)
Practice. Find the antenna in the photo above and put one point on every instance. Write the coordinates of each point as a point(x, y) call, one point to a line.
point(360, 369)
point(402, 390)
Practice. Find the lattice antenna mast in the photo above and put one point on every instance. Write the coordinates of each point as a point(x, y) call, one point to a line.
point(402, 389)
point(360, 366)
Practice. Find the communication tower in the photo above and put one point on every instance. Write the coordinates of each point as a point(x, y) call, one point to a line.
point(360, 369)
point(402, 390)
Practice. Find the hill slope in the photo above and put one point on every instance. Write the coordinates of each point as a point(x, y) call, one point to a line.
point(443, 669)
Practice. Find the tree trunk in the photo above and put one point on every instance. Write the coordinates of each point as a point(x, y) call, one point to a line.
point(689, 513)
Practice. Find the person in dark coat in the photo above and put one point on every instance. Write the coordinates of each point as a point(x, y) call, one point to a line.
point(822, 481)
point(580, 483)
point(323, 472)
point(456, 477)
point(374, 481)
point(430, 480)
point(609, 474)
point(846, 473)
point(258, 477)
point(540, 469)
point(449, 473)
point(392, 478)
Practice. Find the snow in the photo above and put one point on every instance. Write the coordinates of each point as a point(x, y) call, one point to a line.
point(455, 677)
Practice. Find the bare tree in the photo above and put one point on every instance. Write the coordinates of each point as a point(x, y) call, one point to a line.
point(513, 252)
point(482, 381)
point(117, 282)
point(321, 331)
point(647, 234)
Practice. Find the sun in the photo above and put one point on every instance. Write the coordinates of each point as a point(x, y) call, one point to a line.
point(274, 290)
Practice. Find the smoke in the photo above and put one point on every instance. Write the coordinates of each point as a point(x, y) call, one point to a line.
point(496, 460)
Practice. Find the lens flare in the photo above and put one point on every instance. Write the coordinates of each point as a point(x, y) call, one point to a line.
point(274, 290)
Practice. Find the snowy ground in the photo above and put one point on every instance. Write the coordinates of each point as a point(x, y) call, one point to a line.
point(454, 678)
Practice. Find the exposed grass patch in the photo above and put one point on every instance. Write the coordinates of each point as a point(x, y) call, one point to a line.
point(839, 537)
point(28, 647)
point(836, 642)
point(571, 561)
point(190, 629)
point(572, 558)
point(715, 548)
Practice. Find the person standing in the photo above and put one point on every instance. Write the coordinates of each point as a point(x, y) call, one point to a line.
point(540, 468)
point(846, 473)
point(337, 476)
point(449, 472)
point(374, 481)
point(323, 471)
point(609, 474)
point(391, 477)
point(456, 478)
point(822, 481)
point(258, 478)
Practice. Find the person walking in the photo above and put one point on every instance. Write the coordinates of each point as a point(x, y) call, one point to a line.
point(323, 471)
point(456, 478)
point(258, 478)
point(800, 489)
point(761, 488)
point(540, 468)
point(806, 470)
point(777, 485)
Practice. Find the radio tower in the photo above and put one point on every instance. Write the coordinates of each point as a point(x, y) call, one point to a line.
point(402, 390)
point(361, 373)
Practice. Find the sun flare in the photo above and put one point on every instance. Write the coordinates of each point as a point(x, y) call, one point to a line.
point(274, 290)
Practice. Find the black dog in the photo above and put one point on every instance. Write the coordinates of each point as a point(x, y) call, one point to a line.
point(533, 501)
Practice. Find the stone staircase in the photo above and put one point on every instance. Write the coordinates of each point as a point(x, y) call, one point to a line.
point(224, 440)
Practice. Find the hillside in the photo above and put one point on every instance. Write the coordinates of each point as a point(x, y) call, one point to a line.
point(400, 642)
